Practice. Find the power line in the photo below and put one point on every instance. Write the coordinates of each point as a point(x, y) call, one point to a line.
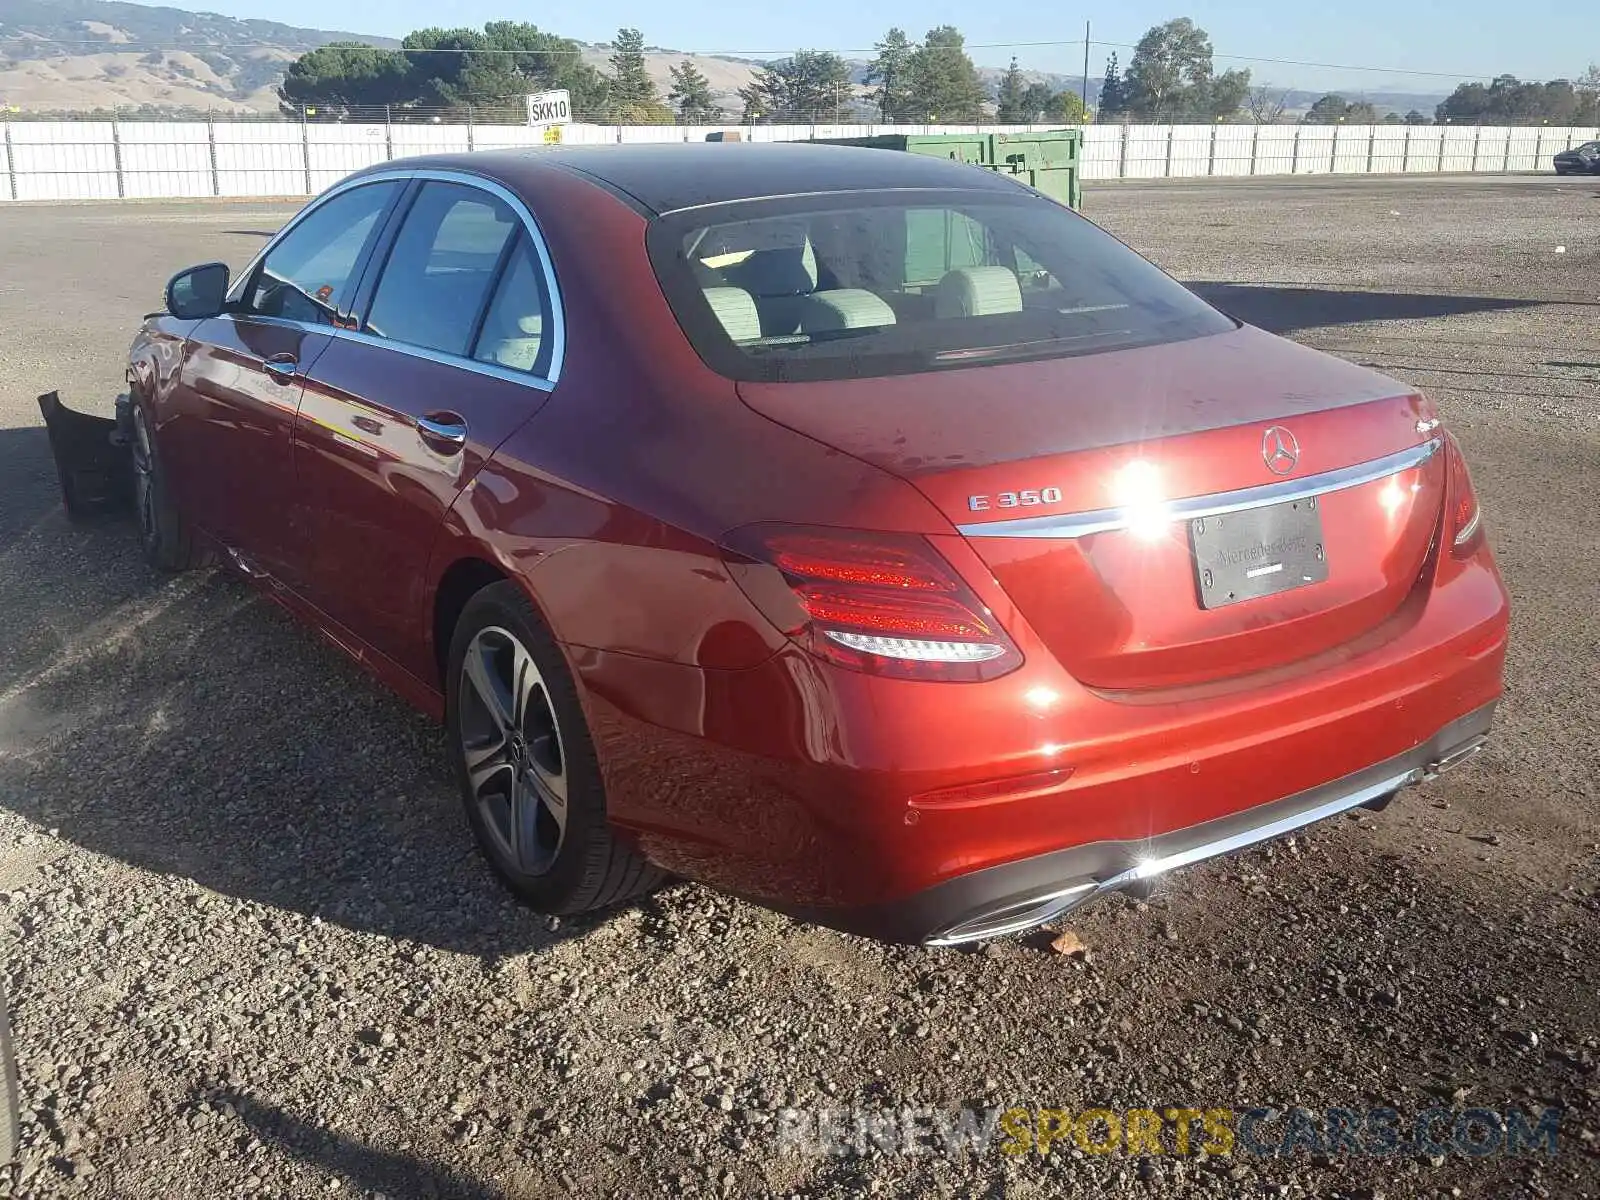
point(1291, 62)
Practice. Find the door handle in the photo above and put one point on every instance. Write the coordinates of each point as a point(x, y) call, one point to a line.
point(445, 431)
point(282, 368)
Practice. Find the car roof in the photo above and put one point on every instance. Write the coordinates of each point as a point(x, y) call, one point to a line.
point(665, 178)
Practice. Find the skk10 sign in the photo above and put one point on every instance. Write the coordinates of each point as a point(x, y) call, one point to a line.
point(550, 108)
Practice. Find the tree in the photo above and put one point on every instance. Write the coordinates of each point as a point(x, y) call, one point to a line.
point(540, 61)
point(757, 100)
point(1333, 109)
point(632, 97)
point(1171, 76)
point(1509, 101)
point(944, 83)
point(800, 88)
point(1113, 92)
point(1023, 103)
point(1036, 102)
point(1013, 87)
point(891, 71)
point(1225, 95)
point(1587, 89)
point(1416, 118)
point(1329, 110)
point(345, 75)
point(691, 92)
point(1067, 107)
point(450, 69)
point(1267, 104)
point(1170, 62)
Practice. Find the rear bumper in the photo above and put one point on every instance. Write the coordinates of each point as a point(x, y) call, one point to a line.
point(1021, 895)
point(905, 810)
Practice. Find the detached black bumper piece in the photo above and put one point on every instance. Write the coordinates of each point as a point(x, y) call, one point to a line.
point(92, 457)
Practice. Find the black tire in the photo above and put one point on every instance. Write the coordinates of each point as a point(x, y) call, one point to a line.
point(588, 868)
point(168, 540)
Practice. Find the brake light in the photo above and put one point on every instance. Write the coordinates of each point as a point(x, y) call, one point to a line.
point(882, 603)
point(1466, 517)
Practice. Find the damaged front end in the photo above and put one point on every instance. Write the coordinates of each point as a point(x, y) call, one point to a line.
point(93, 456)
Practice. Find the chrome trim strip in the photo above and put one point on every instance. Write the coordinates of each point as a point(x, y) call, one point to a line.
point(1051, 905)
point(1002, 192)
point(1262, 833)
point(1104, 520)
point(494, 370)
point(558, 350)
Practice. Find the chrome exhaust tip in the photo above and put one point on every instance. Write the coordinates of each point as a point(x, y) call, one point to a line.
point(1015, 917)
point(1452, 760)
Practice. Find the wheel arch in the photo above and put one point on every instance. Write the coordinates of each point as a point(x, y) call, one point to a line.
point(463, 579)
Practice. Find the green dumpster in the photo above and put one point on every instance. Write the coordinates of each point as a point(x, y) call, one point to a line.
point(1048, 161)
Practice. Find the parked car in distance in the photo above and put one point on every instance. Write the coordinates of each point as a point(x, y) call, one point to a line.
point(861, 533)
point(1580, 160)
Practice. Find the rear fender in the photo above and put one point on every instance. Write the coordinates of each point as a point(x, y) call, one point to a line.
point(93, 458)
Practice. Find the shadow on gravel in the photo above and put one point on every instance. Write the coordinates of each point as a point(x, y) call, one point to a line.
point(357, 1166)
point(186, 726)
point(28, 486)
point(1288, 309)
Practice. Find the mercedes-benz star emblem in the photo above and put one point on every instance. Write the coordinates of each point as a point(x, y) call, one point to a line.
point(1279, 450)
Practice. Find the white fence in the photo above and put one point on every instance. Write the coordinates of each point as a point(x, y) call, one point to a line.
point(108, 160)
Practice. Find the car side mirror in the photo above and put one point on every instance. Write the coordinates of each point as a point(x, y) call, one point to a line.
point(199, 292)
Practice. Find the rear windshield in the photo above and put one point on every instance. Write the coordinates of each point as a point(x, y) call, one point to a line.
point(893, 283)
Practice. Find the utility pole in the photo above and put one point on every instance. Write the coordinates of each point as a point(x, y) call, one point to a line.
point(1086, 70)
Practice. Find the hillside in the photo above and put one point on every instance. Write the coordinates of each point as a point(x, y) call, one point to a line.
point(725, 75)
point(81, 55)
point(87, 54)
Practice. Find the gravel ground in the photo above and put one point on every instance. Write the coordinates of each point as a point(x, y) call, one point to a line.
point(252, 952)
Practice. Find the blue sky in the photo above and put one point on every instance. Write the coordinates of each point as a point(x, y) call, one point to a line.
point(1534, 39)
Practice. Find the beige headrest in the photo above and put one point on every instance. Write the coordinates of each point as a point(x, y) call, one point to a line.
point(978, 292)
point(736, 309)
point(844, 308)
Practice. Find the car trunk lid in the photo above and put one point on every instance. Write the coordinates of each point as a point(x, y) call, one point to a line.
point(1169, 515)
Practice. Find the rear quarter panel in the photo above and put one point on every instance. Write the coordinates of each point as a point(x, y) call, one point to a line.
point(609, 504)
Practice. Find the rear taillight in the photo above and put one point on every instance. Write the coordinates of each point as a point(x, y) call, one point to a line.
point(883, 603)
point(1466, 518)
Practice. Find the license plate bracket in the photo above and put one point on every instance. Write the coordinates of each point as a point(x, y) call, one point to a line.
point(1257, 552)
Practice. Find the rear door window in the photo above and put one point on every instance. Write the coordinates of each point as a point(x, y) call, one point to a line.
point(442, 268)
point(517, 332)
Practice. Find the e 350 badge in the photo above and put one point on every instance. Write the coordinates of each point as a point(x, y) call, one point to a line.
point(1026, 498)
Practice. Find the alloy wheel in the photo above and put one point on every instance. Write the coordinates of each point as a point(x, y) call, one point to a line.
point(511, 744)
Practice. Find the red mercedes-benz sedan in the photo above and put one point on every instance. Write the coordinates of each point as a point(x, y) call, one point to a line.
point(864, 534)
